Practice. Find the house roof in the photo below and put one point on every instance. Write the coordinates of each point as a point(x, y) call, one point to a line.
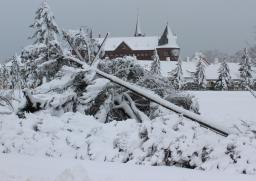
point(137, 43)
point(167, 37)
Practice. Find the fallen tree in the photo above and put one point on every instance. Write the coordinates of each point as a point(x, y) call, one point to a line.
point(151, 96)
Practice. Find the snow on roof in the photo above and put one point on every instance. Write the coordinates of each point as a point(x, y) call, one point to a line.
point(137, 43)
point(169, 37)
point(211, 70)
point(171, 44)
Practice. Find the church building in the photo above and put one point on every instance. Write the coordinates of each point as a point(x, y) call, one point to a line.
point(143, 46)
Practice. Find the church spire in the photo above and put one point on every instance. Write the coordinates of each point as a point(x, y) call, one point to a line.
point(166, 36)
point(138, 31)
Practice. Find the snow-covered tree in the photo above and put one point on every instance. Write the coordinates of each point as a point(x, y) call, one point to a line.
point(199, 75)
point(46, 29)
point(236, 57)
point(4, 77)
point(214, 56)
point(155, 66)
point(199, 56)
point(31, 75)
point(15, 74)
point(224, 79)
point(41, 57)
point(245, 69)
point(176, 76)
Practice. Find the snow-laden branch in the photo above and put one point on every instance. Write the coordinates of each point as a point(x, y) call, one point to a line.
point(157, 99)
point(204, 122)
point(4, 102)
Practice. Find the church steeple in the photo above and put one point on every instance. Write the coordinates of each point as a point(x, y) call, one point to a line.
point(166, 36)
point(138, 31)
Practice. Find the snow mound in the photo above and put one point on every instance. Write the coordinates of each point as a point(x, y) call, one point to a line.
point(167, 140)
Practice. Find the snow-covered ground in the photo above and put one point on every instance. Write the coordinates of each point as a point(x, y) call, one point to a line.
point(45, 147)
point(227, 107)
point(17, 168)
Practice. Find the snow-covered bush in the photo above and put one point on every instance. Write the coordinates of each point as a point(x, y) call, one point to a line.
point(125, 68)
point(158, 84)
point(166, 140)
point(114, 102)
point(191, 86)
point(186, 101)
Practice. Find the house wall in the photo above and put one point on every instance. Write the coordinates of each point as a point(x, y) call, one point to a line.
point(168, 54)
point(164, 54)
point(141, 54)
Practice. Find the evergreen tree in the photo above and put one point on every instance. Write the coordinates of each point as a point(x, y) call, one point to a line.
point(15, 74)
point(40, 59)
point(155, 66)
point(1, 77)
point(32, 75)
point(199, 75)
point(46, 29)
point(176, 76)
point(4, 75)
point(246, 69)
point(224, 79)
point(199, 56)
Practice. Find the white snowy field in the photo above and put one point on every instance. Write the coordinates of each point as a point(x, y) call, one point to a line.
point(43, 147)
point(24, 168)
point(227, 107)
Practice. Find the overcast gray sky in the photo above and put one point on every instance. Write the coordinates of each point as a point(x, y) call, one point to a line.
point(200, 24)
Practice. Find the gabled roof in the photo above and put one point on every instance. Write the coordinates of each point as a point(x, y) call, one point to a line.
point(136, 43)
point(123, 45)
point(168, 38)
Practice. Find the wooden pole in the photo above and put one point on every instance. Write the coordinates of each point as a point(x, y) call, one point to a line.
point(100, 50)
point(154, 98)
